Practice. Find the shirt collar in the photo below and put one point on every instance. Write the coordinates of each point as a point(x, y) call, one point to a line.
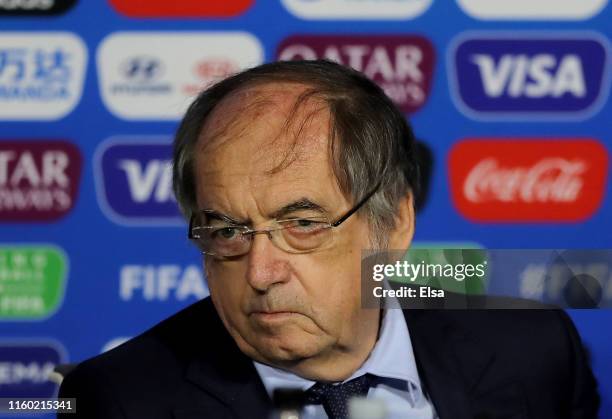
point(392, 357)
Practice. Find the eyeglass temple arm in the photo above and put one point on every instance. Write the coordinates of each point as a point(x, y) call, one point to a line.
point(334, 224)
point(190, 231)
point(356, 207)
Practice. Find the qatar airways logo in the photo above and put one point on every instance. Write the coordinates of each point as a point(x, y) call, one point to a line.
point(39, 180)
point(528, 180)
point(402, 65)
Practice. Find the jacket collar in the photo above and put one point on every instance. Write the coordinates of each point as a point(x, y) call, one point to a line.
point(451, 363)
point(223, 371)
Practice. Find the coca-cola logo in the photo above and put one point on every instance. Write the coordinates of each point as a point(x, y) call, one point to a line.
point(548, 180)
point(401, 65)
point(38, 180)
point(528, 180)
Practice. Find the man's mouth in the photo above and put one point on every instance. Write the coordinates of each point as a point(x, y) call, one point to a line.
point(269, 316)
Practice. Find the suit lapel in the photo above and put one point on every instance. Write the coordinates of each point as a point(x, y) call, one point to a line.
point(450, 363)
point(227, 376)
point(235, 384)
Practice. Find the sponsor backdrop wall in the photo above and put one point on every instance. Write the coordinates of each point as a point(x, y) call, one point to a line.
point(510, 100)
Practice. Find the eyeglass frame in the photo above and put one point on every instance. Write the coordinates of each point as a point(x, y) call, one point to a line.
point(251, 232)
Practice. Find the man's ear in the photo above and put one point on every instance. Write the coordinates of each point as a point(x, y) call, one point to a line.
point(401, 236)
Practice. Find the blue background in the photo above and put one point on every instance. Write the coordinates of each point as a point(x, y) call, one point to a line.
point(92, 313)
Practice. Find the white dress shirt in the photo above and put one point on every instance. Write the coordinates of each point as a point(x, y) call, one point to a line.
point(391, 361)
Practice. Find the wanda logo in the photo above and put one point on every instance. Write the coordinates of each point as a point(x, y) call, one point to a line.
point(528, 180)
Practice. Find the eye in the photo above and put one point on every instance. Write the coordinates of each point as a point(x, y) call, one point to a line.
point(304, 225)
point(225, 233)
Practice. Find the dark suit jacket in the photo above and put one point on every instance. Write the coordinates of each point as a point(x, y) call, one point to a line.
point(507, 364)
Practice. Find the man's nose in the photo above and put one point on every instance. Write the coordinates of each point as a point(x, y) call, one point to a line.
point(267, 264)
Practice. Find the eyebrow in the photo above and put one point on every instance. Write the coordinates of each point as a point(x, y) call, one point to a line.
point(215, 215)
point(299, 205)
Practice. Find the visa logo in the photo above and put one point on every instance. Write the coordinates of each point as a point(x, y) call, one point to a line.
point(538, 76)
point(150, 181)
point(517, 77)
point(134, 182)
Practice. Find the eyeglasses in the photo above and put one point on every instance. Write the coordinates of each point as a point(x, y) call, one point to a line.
point(292, 235)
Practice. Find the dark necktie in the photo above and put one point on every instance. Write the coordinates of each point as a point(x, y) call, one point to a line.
point(334, 398)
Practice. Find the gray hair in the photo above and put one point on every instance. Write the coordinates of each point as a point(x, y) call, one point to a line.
point(371, 141)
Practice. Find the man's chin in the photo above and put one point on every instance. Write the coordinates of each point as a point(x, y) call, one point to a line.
point(285, 350)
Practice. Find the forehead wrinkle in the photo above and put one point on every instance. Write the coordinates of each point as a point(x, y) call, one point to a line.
point(220, 128)
point(296, 127)
point(300, 110)
point(252, 101)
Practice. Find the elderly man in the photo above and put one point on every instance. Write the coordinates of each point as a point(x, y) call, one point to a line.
point(287, 172)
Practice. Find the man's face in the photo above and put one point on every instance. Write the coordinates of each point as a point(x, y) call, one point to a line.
point(282, 309)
